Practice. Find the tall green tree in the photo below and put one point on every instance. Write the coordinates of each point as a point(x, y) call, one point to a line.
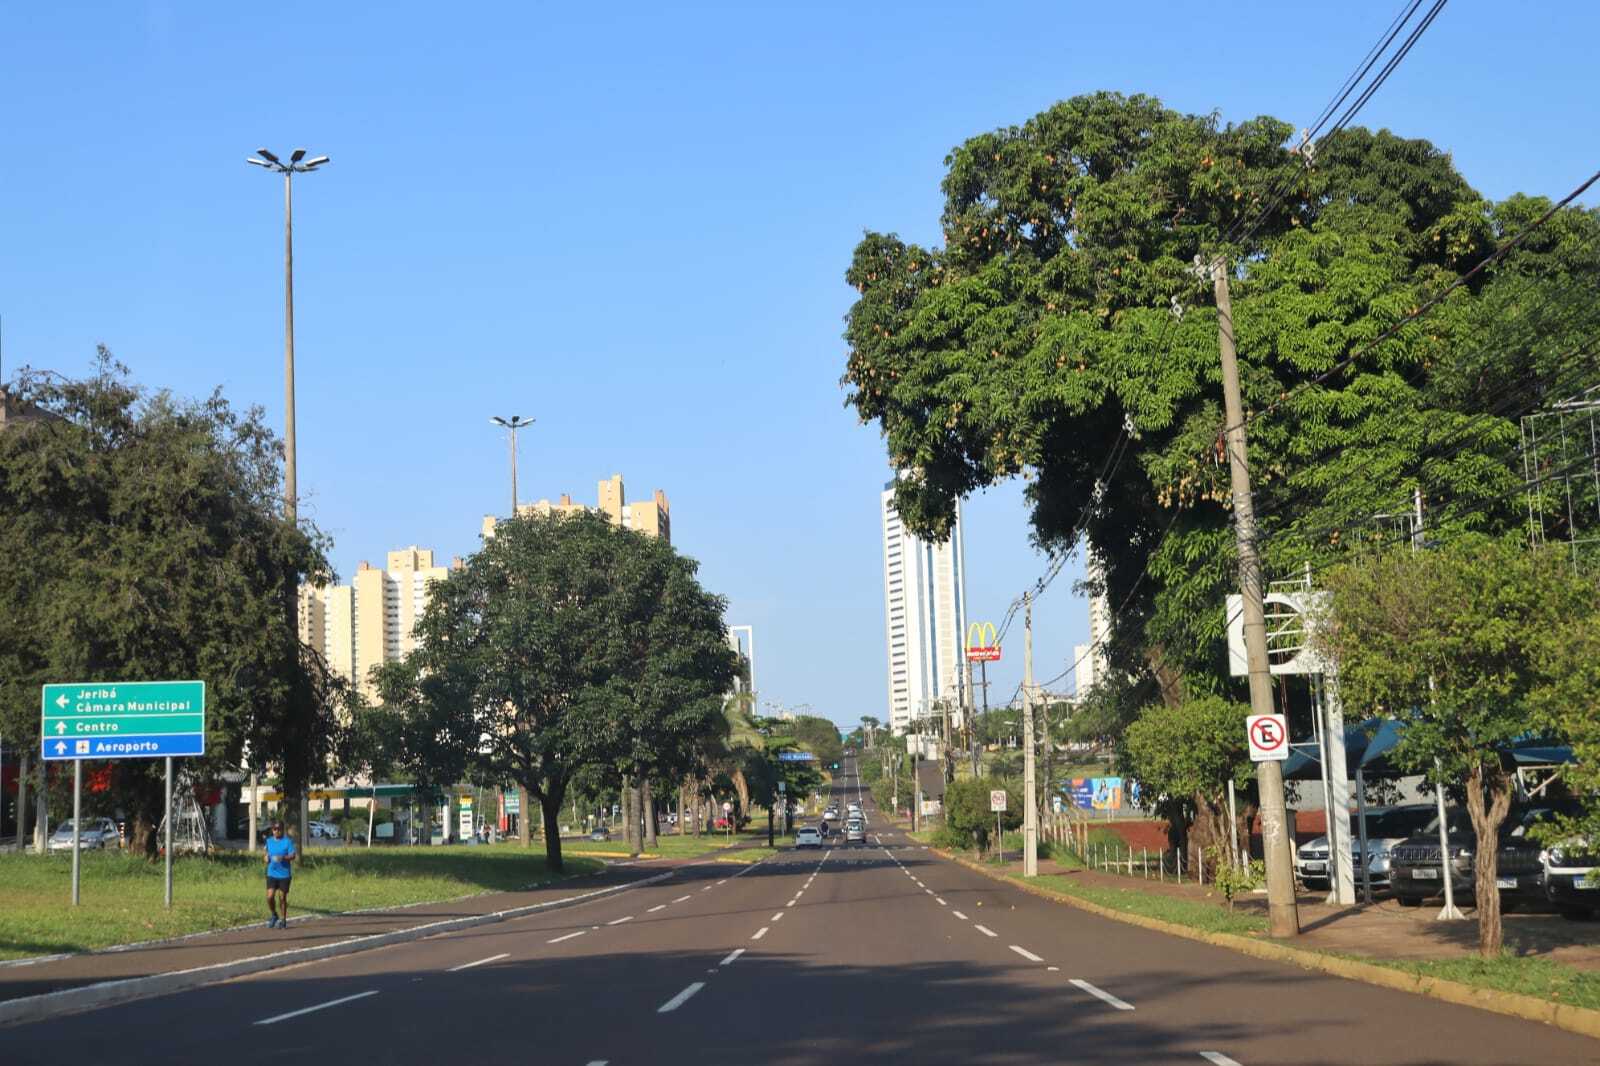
point(153, 547)
point(1457, 644)
point(1184, 755)
point(1058, 332)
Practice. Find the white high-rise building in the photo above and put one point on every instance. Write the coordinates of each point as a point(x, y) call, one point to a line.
point(1090, 658)
point(925, 617)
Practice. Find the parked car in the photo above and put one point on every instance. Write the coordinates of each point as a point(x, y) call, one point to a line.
point(1570, 880)
point(808, 838)
point(599, 834)
point(96, 833)
point(1386, 827)
point(323, 829)
point(1415, 869)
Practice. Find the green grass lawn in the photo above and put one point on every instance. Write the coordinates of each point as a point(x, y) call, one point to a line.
point(1524, 975)
point(122, 894)
point(1196, 914)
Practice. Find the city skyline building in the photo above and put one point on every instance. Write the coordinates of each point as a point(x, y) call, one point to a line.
point(1089, 660)
point(652, 517)
point(925, 617)
point(372, 620)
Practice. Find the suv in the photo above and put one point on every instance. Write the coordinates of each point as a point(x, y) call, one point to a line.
point(1415, 868)
point(1386, 827)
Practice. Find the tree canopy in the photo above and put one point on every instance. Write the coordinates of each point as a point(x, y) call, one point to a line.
point(1059, 332)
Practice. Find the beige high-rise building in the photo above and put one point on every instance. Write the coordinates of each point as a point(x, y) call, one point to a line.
point(371, 620)
point(652, 517)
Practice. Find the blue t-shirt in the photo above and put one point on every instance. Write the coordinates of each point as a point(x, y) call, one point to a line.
point(278, 849)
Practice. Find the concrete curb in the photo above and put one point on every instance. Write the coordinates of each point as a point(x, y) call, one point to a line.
point(1581, 1020)
point(89, 997)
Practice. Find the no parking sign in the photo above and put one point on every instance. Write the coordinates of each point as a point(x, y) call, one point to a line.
point(1269, 737)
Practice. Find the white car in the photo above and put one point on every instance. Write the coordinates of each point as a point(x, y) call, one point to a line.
point(808, 838)
point(1386, 827)
point(97, 833)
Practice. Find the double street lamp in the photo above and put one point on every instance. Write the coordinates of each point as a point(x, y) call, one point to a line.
point(511, 425)
point(296, 164)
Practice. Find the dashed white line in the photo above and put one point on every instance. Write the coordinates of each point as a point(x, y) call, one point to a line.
point(657, 907)
point(1217, 1058)
point(734, 954)
point(619, 921)
point(723, 881)
point(941, 902)
point(791, 902)
point(1102, 994)
point(681, 998)
point(761, 932)
point(929, 891)
point(680, 899)
point(600, 1062)
point(480, 962)
point(569, 936)
point(1025, 953)
point(958, 914)
point(320, 1006)
point(985, 930)
point(775, 917)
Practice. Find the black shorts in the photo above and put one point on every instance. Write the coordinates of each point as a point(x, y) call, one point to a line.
point(274, 883)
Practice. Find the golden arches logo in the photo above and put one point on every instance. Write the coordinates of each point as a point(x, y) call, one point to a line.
point(981, 646)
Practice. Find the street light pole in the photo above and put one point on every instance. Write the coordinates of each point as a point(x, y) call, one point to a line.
point(511, 425)
point(297, 164)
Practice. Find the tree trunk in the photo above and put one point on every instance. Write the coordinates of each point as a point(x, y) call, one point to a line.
point(41, 821)
point(647, 801)
point(22, 803)
point(683, 811)
point(525, 818)
point(1486, 819)
point(742, 786)
point(630, 825)
point(550, 804)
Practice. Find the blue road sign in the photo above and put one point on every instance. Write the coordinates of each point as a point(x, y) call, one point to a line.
point(123, 720)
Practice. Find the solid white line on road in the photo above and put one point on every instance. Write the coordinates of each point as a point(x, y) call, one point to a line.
point(619, 921)
point(680, 899)
point(734, 954)
point(480, 962)
point(681, 998)
point(569, 936)
point(985, 930)
point(942, 903)
point(958, 914)
point(1217, 1058)
point(1025, 953)
point(320, 1006)
point(761, 932)
point(1102, 994)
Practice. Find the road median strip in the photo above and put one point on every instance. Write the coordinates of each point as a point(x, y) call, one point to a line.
point(1581, 1020)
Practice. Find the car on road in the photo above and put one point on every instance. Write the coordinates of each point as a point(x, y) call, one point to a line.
point(96, 833)
point(599, 835)
point(855, 832)
point(808, 838)
point(1386, 827)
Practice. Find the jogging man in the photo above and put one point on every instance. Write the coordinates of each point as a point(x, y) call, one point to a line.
point(280, 855)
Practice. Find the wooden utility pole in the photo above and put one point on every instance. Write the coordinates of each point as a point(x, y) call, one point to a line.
point(1030, 810)
point(1283, 918)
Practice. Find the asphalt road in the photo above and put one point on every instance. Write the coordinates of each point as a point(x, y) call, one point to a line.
point(875, 953)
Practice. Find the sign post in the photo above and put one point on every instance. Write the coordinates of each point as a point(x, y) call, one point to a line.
point(997, 804)
point(121, 720)
point(1269, 737)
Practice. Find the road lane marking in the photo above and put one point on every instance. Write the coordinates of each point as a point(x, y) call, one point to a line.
point(761, 932)
point(480, 962)
point(600, 1062)
point(985, 930)
point(723, 881)
point(775, 917)
point(619, 921)
point(1217, 1058)
point(929, 891)
point(680, 899)
point(942, 903)
point(1025, 953)
point(958, 914)
point(657, 907)
point(734, 954)
point(321, 1006)
point(791, 902)
point(1102, 994)
point(681, 998)
point(569, 936)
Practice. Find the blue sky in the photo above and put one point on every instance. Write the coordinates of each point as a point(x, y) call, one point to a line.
point(630, 222)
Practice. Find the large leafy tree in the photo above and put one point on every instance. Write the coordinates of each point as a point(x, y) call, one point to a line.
point(1464, 644)
point(1058, 332)
point(151, 546)
point(568, 643)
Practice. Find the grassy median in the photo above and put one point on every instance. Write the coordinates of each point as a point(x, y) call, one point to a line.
point(122, 894)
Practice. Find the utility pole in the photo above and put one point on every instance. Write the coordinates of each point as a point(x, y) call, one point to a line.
point(291, 507)
point(967, 712)
point(1030, 812)
point(1283, 918)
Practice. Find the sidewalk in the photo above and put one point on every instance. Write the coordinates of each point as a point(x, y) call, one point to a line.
point(55, 973)
point(1383, 929)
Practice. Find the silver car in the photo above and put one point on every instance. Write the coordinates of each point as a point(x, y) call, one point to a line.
point(97, 833)
point(1386, 827)
point(855, 831)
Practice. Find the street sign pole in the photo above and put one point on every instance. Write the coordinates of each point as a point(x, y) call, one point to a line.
point(168, 823)
point(77, 822)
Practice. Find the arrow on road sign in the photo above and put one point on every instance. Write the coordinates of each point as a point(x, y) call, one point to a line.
point(61, 700)
point(61, 747)
point(61, 727)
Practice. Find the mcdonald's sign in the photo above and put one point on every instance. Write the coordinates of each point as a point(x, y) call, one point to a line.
point(981, 646)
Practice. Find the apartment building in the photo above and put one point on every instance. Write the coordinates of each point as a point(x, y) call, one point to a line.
point(371, 620)
point(652, 517)
point(925, 617)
